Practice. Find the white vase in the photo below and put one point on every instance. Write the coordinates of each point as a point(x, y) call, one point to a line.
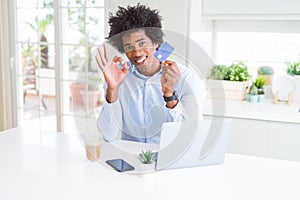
point(253, 98)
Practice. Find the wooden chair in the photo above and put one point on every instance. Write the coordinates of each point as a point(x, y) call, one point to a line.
point(29, 83)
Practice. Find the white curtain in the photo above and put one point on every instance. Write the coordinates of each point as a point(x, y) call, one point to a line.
point(8, 106)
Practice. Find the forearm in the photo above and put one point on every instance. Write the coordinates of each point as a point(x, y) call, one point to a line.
point(112, 94)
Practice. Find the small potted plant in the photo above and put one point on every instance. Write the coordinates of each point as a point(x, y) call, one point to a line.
point(252, 95)
point(266, 72)
point(293, 68)
point(259, 83)
point(238, 72)
point(228, 82)
point(147, 157)
point(219, 72)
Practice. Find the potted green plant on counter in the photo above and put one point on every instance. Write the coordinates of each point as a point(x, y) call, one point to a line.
point(260, 83)
point(219, 72)
point(266, 72)
point(293, 68)
point(238, 72)
point(148, 156)
point(228, 82)
point(252, 94)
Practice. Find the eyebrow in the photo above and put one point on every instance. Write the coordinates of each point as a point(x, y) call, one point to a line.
point(128, 44)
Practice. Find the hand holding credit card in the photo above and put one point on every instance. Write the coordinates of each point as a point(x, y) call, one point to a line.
point(164, 51)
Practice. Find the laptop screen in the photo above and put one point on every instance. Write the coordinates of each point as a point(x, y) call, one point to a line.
point(193, 143)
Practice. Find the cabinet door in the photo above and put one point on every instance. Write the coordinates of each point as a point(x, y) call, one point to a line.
point(284, 141)
point(254, 8)
point(248, 137)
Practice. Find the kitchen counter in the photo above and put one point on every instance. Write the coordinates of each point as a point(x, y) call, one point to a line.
point(266, 110)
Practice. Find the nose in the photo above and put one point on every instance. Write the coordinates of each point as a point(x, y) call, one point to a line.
point(137, 52)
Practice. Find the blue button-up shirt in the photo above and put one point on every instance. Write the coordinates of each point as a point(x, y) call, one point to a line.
point(140, 110)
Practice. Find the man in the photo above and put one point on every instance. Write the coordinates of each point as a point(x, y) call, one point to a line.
point(143, 93)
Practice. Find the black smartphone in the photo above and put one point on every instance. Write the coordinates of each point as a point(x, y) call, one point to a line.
point(120, 165)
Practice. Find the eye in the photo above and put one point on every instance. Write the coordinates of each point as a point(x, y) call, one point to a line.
point(142, 43)
point(127, 48)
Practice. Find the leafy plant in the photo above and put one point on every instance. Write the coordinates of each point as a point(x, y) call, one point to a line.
point(235, 72)
point(79, 20)
point(29, 54)
point(238, 72)
point(219, 72)
point(260, 82)
point(148, 156)
point(253, 89)
point(265, 70)
point(293, 68)
point(40, 25)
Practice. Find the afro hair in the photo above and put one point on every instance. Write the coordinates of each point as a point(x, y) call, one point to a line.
point(131, 19)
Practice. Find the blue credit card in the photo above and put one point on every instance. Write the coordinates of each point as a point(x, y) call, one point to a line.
point(164, 51)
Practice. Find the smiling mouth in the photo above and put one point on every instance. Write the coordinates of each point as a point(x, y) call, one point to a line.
point(141, 60)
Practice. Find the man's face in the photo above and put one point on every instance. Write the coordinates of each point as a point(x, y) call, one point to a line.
point(140, 51)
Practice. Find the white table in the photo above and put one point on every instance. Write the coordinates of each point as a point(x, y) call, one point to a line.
point(43, 165)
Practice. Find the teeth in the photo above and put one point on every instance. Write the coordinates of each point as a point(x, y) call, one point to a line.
point(141, 60)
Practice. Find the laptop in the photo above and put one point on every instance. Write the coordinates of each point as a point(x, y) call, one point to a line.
point(193, 143)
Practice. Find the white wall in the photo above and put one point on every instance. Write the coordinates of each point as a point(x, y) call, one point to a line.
point(252, 9)
point(175, 13)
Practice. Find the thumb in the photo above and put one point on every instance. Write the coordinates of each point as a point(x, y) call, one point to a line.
point(125, 67)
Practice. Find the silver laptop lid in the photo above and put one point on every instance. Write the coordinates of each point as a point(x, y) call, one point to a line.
point(193, 143)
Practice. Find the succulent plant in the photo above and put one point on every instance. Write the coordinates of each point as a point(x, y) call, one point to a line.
point(260, 82)
point(219, 72)
point(265, 70)
point(253, 89)
point(293, 68)
point(148, 156)
point(238, 72)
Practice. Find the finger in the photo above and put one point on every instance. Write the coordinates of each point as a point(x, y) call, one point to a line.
point(171, 65)
point(106, 53)
point(103, 60)
point(123, 63)
point(118, 60)
point(173, 73)
point(125, 67)
point(167, 79)
point(168, 62)
point(168, 70)
point(99, 62)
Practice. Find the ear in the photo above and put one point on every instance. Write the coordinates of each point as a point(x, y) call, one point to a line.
point(156, 46)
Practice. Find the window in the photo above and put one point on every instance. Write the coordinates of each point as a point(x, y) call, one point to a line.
point(258, 43)
point(59, 80)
